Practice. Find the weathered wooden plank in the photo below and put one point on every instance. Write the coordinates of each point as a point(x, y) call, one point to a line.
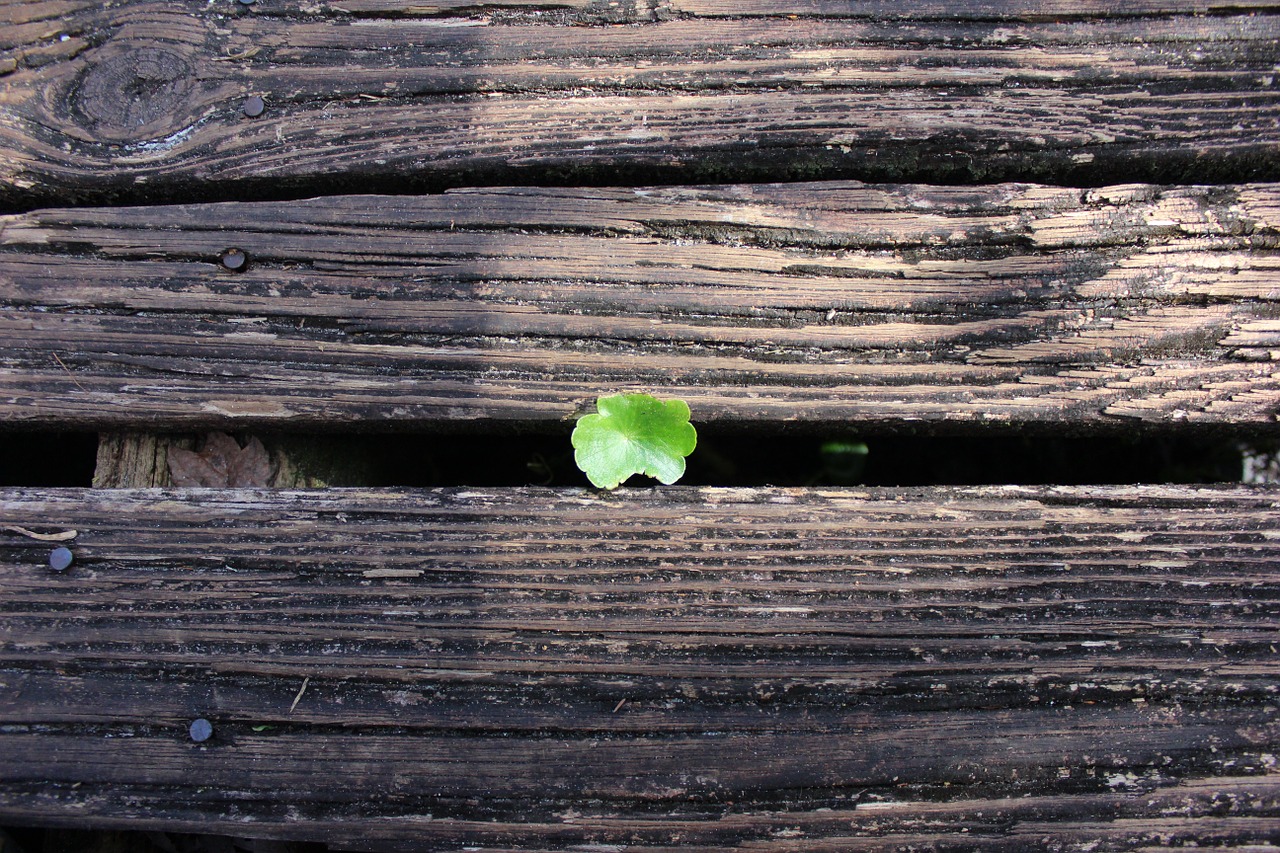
point(836, 301)
point(1214, 815)
point(536, 669)
point(141, 100)
point(963, 10)
point(1034, 10)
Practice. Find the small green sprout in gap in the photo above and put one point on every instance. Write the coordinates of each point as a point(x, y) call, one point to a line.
point(843, 461)
point(634, 434)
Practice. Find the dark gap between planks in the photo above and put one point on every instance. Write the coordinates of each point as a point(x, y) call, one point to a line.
point(17, 839)
point(1177, 169)
point(723, 458)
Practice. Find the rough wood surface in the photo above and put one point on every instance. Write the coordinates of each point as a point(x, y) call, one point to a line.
point(135, 460)
point(880, 305)
point(143, 100)
point(1004, 668)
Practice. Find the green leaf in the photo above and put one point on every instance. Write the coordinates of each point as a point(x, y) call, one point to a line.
point(634, 434)
point(843, 461)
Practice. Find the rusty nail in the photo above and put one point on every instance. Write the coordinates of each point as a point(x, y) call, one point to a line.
point(254, 106)
point(233, 259)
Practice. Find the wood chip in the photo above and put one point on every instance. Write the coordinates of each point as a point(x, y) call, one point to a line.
point(60, 536)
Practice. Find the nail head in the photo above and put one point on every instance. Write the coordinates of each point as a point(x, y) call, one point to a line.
point(233, 259)
point(201, 730)
point(60, 559)
point(254, 106)
point(246, 2)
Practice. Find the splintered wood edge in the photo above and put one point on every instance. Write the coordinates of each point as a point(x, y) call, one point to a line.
point(540, 669)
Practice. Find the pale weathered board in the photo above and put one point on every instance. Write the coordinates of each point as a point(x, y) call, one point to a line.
point(877, 305)
point(532, 669)
point(146, 101)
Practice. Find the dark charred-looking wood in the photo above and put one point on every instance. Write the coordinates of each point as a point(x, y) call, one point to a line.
point(1001, 668)
point(143, 100)
point(876, 305)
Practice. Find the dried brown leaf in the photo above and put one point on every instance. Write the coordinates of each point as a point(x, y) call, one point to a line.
point(221, 463)
point(188, 468)
point(221, 451)
point(251, 466)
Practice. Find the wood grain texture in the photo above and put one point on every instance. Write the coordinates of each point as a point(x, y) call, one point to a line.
point(954, 10)
point(135, 460)
point(879, 305)
point(998, 10)
point(1002, 668)
point(143, 101)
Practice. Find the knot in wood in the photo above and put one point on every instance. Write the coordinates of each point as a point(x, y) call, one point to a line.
point(135, 95)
